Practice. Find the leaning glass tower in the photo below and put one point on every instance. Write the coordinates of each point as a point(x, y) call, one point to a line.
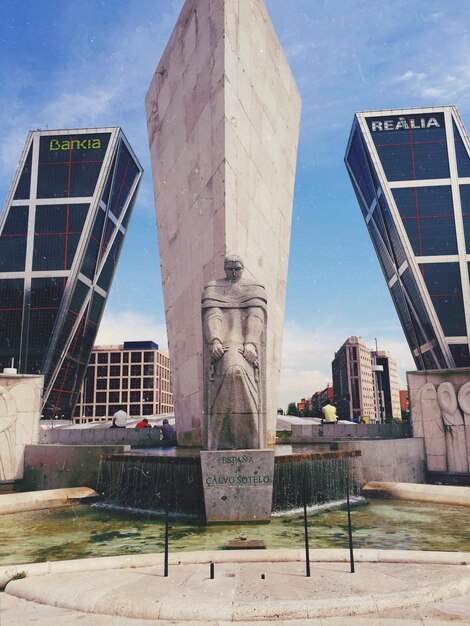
point(410, 169)
point(60, 237)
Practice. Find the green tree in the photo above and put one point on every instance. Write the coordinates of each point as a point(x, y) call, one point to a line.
point(292, 409)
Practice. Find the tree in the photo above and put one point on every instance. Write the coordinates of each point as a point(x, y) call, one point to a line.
point(292, 409)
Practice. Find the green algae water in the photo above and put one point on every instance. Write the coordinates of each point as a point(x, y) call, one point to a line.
point(92, 531)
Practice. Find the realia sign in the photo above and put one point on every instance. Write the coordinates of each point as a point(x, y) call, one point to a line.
point(406, 122)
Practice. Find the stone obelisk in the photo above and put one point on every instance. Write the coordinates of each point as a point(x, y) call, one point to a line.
point(223, 119)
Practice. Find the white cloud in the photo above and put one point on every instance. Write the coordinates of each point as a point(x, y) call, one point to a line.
point(117, 327)
point(432, 92)
point(409, 75)
point(71, 109)
point(306, 360)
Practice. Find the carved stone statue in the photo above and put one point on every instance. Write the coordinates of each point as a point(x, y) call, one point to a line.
point(234, 327)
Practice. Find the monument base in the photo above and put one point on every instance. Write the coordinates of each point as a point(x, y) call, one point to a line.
point(238, 485)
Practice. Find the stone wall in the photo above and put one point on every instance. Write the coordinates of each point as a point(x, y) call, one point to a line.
point(393, 460)
point(100, 436)
point(52, 466)
point(388, 452)
point(55, 466)
point(302, 433)
point(20, 406)
point(440, 413)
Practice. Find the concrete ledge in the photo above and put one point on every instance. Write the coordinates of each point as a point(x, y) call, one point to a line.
point(285, 555)
point(440, 494)
point(102, 436)
point(248, 585)
point(36, 500)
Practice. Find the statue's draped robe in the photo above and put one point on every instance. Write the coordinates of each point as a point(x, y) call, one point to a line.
point(235, 314)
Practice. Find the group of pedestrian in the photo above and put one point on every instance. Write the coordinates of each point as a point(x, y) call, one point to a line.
point(167, 430)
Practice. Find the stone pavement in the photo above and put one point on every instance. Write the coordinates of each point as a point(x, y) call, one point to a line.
point(249, 586)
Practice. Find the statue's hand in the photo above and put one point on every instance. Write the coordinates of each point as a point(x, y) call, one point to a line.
point(216, 349)
point(249, 352)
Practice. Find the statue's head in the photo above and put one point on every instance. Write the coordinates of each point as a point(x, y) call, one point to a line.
point(233, 266)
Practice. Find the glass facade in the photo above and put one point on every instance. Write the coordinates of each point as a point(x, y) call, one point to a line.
point(410, 171)
point(60, 238)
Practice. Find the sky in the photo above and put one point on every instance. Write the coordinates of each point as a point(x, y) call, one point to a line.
point(87, 63)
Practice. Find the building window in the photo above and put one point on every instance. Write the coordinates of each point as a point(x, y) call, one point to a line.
point(102, 371)
point(135, 396)
point(444, 286)
point(113, 396)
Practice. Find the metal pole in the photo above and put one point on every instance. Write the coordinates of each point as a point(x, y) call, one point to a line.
point(212, 570)
point(307, 552)
point(165, 573)
point(351, 552)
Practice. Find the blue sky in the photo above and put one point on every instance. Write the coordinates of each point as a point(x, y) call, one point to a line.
point(86, 63)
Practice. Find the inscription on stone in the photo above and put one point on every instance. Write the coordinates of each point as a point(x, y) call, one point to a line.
point(238, 487)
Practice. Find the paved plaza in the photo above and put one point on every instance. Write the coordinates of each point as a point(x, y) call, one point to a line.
point(249, 586)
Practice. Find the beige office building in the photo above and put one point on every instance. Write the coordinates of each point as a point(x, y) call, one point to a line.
point(388, 392)
point(134, 377)
point(365, 382)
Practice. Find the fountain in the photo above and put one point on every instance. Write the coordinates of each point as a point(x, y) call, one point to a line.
point(159, 480)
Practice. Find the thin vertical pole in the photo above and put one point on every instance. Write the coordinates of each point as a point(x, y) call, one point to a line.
point(165, 573)
point(212, 570)
point(351, 551)
point(307, 552)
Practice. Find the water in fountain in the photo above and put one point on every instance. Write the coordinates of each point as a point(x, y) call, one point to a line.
point(320, 476)
point(152, 482)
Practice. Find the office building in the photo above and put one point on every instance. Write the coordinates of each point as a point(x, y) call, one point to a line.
point(353, 380)
point(410, 169)
point(386, 385)
point(61, 233)
point(365, 382)
point(133, 377)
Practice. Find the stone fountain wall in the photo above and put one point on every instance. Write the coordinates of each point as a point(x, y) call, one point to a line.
point(440, 413)
point(20, 411)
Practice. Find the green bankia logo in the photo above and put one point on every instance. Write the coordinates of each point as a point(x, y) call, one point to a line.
point(75, 144)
